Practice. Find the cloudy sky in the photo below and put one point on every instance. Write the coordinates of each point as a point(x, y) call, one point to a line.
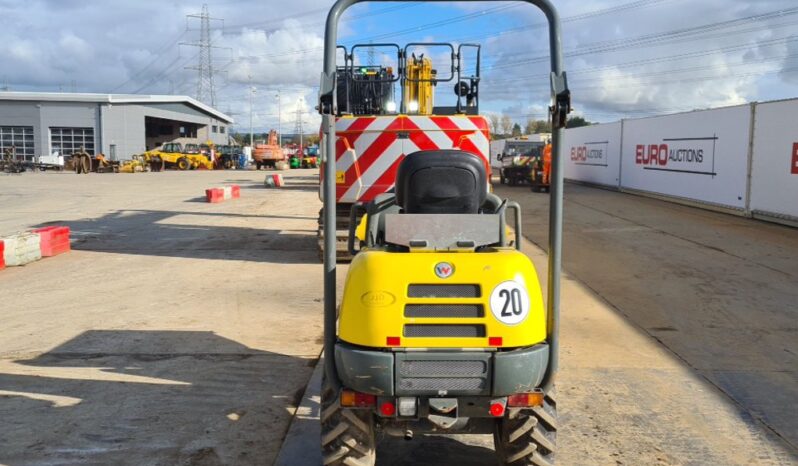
point(625, 58)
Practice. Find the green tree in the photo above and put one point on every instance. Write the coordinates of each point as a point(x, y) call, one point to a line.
point(494, 123)
point(537, 126)
point(577, 121)
point(507, 124)
point(530, 127)
point(516, 130)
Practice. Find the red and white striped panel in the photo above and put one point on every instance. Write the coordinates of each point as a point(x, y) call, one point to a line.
point(369, 149)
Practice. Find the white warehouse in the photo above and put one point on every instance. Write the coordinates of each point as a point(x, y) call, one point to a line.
point(117, 125)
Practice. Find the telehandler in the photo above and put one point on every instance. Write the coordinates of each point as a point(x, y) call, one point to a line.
point(442, 326)
point(171, 155)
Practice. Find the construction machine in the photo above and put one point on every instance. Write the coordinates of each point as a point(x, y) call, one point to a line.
point(191, 148)
point(375, 130)
point(172, 155)
point(83, 162)
point(267, 155)
point(10, 163)
point(518, 159)
point(311, 158)
point(442, 327)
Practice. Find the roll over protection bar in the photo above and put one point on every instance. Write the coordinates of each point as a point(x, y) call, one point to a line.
point(559, 109)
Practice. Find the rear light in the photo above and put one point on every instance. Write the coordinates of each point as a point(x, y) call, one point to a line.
point(497, 410)
point(353, 399)
point(494, 341)
point(388, 409)
point(393, 341)
point(525, 400)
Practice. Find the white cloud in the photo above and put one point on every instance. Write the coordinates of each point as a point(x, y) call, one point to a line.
point(132, 46)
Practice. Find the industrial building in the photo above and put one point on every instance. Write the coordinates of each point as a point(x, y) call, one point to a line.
point(117, 125)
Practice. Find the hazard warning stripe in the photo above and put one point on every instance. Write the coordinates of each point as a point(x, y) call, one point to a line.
point(355, 126)
point(431, 131)
point(375, 150)
point(460, 138)
point(384, 182)
point(370, 176)
point(421, 139)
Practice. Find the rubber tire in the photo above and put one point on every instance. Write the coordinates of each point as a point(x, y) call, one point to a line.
point(257, 165)
point(347, 435)
point(527, 436)
point(183, 164)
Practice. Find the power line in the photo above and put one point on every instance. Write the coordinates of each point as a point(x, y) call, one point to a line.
point(322, 22)
point(455, 19)
point(575, 73)
point(659, 38)
point(158, 56)
point(378, 37)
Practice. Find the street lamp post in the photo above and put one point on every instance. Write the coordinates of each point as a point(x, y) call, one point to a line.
point(251, 131)
point(279, 120)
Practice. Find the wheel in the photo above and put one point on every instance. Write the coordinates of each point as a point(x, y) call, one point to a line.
point(347, 435)
point(502, 179)
point(228, 164)
point(527, 436)
point(183, 163)
point(257, 165)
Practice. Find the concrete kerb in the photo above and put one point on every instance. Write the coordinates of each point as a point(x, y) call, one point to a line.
point(301, 444)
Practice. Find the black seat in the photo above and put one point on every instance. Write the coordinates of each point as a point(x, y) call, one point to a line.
point(441, 182)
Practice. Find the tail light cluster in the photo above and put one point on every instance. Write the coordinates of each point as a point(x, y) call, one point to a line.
point(408, 406)
point(525, 400)
point(353, 399)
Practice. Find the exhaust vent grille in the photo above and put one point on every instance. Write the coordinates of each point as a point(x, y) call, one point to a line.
point(462, 311)
point(444, 331)
point(444, 291)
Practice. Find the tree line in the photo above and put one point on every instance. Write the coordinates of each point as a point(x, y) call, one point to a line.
point(503, 126)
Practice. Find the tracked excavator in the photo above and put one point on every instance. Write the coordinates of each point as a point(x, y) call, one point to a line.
point(376, 128)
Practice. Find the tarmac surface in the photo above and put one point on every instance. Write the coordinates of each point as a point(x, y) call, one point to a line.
point(183, 333)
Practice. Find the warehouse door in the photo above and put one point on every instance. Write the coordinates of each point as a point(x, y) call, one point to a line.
point(20, 137)
point(69, 140)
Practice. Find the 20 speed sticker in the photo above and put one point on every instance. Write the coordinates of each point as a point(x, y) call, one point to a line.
point(509, 302)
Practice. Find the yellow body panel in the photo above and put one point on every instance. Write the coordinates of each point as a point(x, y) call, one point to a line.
point(376, 292)
point(196, 160)
point(200, 161)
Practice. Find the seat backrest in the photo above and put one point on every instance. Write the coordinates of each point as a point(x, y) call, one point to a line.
point(441, 182)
